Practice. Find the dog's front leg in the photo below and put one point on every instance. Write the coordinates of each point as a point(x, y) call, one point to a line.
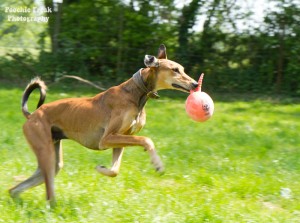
point(116, 163)
point(118, 140)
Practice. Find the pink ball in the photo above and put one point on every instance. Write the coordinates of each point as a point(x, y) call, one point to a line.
point(199, 106)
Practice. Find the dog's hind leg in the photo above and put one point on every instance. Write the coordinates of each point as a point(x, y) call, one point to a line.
point(116, 163)
point(59, 163)
point(33, 181)
point(40, 140)
point(46, 161)
point(37, 178)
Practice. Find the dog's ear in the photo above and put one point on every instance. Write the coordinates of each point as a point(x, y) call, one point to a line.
point(162, 52)
point(151, 61)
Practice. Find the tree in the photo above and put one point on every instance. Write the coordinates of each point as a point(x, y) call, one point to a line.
point(105, 37)
point(186, 21)
point(278, 39)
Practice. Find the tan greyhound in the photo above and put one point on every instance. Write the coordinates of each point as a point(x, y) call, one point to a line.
point(107, 120)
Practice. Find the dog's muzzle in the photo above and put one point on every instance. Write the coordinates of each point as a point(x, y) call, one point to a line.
point(193, 86)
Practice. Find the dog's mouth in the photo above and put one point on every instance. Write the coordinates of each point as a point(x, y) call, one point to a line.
point(180, 87)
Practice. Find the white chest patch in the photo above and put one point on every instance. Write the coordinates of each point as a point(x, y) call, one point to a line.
point(133, 127)
point(132, 123)
point(137, 124)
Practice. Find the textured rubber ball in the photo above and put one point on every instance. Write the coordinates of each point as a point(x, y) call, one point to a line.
point(199, 106)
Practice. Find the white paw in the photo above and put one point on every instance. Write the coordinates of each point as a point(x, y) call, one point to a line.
point(107, 172)
point(158, 165)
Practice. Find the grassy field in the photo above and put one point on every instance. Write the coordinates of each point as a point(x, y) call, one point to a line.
point(243, 165)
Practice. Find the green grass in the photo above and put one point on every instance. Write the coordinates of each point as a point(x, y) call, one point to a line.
point(231, 168)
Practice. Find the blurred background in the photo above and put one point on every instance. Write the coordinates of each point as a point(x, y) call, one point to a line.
point(242, 46)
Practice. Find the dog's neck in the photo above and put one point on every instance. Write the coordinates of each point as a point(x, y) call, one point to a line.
point(146, 82)
point(142, 86)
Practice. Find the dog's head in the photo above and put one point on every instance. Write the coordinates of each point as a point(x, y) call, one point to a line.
point(169, 74)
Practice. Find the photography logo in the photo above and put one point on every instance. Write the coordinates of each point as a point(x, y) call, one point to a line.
point(27, 14)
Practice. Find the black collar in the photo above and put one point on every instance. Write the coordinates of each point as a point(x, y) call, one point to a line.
point(138, 80)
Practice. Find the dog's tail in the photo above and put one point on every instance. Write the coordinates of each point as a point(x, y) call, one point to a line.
point(34, 84)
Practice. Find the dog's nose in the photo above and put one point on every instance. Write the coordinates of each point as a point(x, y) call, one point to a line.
point(195, 84)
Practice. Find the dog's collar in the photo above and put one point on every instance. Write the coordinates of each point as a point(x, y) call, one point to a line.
point(138, 80)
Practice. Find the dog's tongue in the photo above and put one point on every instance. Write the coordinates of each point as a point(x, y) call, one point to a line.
point(199, 84)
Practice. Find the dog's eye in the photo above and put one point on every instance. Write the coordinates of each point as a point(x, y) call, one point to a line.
point(176, 70)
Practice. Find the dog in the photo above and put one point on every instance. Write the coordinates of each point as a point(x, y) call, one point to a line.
point(108, 120)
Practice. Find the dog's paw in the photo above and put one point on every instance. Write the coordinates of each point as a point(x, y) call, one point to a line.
point(158, 165)
point(107, 172)
point(14, 193)
point(160, 170)
point(101, 169)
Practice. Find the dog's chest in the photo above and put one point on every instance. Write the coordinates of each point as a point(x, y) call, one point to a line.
point(135, 123)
